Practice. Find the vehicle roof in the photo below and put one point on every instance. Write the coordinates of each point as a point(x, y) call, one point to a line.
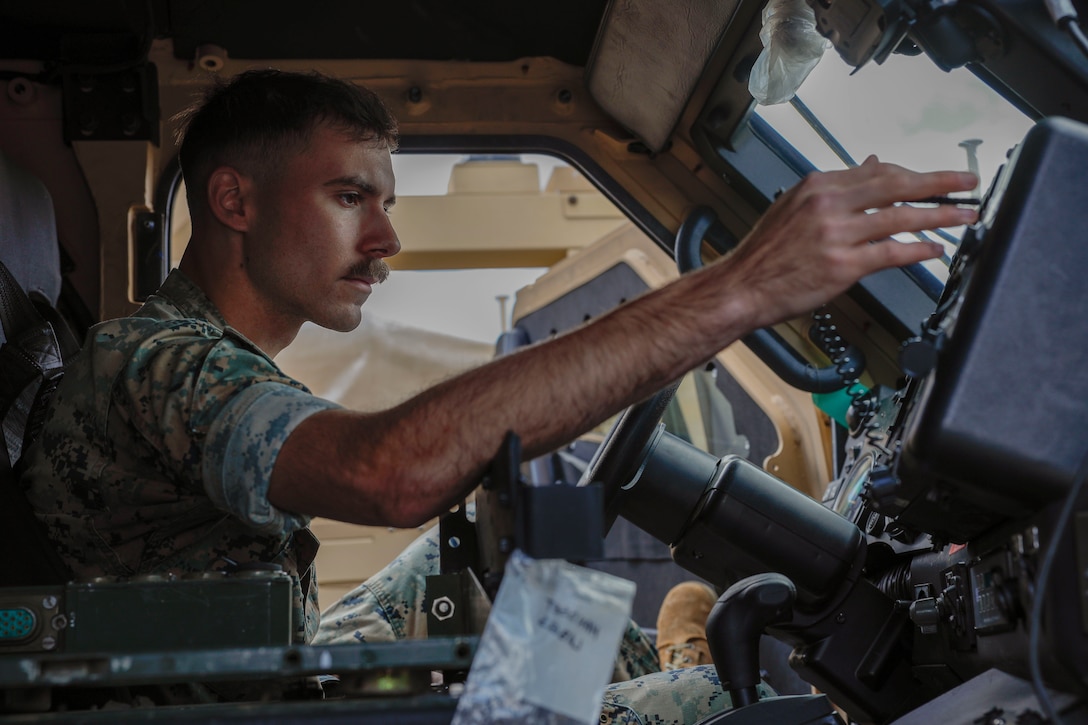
point(1014, 45)
point(476, 30)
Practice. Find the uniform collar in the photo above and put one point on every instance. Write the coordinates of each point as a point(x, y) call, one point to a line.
point(189, 299)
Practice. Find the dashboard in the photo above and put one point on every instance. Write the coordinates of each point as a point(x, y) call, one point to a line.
point(967, 480)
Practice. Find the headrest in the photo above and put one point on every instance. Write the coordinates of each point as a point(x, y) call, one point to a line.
point(28, 231)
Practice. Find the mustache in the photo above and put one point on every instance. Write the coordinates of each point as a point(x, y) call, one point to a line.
point(375, 269)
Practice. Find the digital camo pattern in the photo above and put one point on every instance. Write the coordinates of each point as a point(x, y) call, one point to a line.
point(390, 606)
point(669, 698)
point(158, 449)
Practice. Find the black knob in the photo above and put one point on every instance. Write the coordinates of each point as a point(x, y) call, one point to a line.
point(735, 625)
point(883, 486)
point(918, 356)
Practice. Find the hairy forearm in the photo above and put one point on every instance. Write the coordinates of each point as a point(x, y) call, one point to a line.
point(402, 466)
point(552, 392)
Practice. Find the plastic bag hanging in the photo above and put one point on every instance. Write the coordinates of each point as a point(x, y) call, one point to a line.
point(791, 49)
point(549, 647)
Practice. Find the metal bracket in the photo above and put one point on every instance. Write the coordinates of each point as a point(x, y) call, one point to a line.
point(112, 106)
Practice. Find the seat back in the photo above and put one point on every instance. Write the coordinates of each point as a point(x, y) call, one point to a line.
point(34, 345)
point(28, 232)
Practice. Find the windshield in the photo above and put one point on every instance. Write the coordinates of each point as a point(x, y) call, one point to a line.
point(905, 111)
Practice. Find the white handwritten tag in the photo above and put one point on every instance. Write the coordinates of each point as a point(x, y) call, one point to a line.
point(579, 623)
point(550, 644)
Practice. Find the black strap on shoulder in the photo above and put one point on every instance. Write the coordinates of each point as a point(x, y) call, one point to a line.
point(31, 367)
point(31, 363)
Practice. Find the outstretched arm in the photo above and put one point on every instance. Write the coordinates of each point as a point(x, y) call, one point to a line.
point(402, 466)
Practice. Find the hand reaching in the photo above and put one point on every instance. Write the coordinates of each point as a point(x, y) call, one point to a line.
point(832, 229)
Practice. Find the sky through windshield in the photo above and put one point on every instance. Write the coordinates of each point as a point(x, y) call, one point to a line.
point(907, 111)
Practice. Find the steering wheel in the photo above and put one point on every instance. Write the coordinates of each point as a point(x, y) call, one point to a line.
point(616, 461)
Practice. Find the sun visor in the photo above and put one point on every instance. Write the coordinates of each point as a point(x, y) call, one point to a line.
point(649, 56)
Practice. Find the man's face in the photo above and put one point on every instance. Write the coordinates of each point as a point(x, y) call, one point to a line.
point(322, 231)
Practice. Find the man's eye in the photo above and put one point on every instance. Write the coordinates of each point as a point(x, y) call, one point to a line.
point(349, 198)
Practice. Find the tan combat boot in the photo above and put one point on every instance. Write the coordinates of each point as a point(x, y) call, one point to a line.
point(681, 626)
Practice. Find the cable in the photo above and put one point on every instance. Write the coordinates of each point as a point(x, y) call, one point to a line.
point(1061, 11)
point(1065, 18)
point(1034, 642)
point(847, 360)
point(1073, 28)
point(822, 131)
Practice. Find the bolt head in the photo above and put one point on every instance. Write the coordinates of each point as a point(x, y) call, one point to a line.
point(443, 608)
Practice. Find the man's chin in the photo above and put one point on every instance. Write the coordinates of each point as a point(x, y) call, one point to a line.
point(341, 323)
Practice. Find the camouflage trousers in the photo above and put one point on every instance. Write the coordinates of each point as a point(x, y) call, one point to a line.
point(389, 606)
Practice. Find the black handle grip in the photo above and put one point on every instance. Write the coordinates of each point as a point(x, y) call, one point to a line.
point(779, 356)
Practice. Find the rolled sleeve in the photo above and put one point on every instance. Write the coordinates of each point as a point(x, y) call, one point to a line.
point(241, 451)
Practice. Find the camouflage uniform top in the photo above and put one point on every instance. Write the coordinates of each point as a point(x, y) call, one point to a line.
point(158, 450)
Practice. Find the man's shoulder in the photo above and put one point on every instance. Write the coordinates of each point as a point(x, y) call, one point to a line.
point(137, 339)
point(177, 320)
point(149, 361)
point(140, 329)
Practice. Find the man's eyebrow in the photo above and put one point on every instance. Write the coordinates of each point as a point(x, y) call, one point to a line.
point(361, 184)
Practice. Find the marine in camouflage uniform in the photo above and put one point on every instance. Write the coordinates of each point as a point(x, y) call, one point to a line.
point(157, 452)
point(156, 458)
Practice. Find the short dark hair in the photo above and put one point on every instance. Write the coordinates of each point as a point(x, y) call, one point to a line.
point(260, 114)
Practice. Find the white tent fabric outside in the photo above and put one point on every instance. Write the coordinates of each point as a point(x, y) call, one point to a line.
point(379, 364)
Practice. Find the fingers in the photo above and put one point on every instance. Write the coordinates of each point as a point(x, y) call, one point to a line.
point(875, 257)
point(874, 185)
point(896, 219)
point(816, 239)
point(892, 184)
point(846, 209)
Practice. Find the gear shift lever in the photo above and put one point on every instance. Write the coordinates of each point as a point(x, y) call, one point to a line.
point(735, 625)
point(733, 629)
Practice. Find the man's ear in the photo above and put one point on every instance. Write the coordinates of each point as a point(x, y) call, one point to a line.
point(230, 198)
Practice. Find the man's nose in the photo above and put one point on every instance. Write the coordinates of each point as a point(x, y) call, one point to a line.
point(381, 239)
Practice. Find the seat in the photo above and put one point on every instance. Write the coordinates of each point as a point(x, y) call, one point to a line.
point(31, 364)
point(28, 233)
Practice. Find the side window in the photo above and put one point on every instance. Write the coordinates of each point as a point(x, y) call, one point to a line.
point(710, 423)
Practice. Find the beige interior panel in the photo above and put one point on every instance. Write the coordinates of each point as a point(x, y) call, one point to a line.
point(803, 457)
point(351, 554)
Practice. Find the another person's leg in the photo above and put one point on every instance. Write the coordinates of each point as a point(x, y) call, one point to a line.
point(389, 605)
point(681, 626)
point(677, 697)
point(686, 689)
point(637, 655)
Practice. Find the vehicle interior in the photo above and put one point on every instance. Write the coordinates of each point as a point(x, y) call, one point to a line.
point(903, 469)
